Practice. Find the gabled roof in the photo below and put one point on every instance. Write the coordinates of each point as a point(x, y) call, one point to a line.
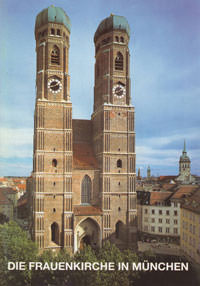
point(83, 153)
point(83, 157)
point(193, 203)
point(159, 197)
point(184, 191)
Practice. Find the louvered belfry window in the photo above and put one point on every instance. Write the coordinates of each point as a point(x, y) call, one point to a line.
point(119, 61)
point(55, 55)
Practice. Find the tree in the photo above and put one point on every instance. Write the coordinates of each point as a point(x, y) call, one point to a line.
point(15, 246)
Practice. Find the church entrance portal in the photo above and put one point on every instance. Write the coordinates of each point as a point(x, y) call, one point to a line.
point(87, 233)
point(85, 241)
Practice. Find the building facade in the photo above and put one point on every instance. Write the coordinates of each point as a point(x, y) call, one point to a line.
point(83, 170)
point(158, 216)
point(190, 227)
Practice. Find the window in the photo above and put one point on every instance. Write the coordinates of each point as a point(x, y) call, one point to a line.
point(160, 229)
point(86, 190)
point(58, 32)
point(119, 229)
point(175, 230)
point(146, 211)
point(175, 213)
point(52, 31)
point(55, 232)
point(117, 39)
point(119, 163)
point(54, 163)
point(167, 229)
point(175, 221)
point(121, 39)
point(160, 212)
point(153, 211)
point(119, 61)
point(55, 55)
point(160, 220)
point(153, 220)
point(167, 220)
point(167, 212)
point(153, 228)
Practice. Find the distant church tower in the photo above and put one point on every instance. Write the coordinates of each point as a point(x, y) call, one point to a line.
point(113, 129)
point(52, 163)
point(184, 167)
point(148, 172)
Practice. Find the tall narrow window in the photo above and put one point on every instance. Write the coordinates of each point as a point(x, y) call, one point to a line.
point(119, 163)
point(119, 61)
point(119, 229)
point(54, 163)
point(55, 233)
point(86, 190)
point(55, 55)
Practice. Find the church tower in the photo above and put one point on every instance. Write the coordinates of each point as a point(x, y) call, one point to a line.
point(113, 130)
point(52, 163)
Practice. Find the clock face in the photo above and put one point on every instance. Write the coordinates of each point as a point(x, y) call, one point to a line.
point(119, 90)
point(54, 85)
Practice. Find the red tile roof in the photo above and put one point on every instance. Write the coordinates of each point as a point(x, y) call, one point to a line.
point(22, 202)
point(159, 197)
point(184, 191)
point(87, 210)
point(83, 157)
point(193, 203)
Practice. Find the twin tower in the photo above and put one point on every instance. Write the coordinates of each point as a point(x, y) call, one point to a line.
point(84, 174)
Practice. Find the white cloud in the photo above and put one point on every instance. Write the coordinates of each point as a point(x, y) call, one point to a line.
point(16, 142)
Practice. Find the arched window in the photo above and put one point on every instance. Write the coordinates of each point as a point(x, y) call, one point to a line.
point(119, 163)
point(55, 55)
point(119, 61)
point(54, 163)
point(122, 40)
point(86, 187)
point(55, 233)
point(117, 39)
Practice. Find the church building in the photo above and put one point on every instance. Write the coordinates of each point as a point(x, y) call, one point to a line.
point(84, 176)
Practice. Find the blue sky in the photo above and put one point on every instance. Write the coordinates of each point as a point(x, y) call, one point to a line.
point(165, 73)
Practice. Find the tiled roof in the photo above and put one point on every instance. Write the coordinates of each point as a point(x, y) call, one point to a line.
point(87, 210)
point(8, 190)
point(22, 202)
point(83, 157)
point(159, 197)
point(3, 199)
point(166, 178)
point(193, 203)
point(168, 187)
point(183, 191)
point(83, 153)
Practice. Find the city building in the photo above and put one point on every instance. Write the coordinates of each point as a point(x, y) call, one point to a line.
point(190, 227)
point(84, 173)
point(159, 212)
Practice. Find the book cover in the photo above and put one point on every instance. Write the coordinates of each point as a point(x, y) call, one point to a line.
point(99, 143)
